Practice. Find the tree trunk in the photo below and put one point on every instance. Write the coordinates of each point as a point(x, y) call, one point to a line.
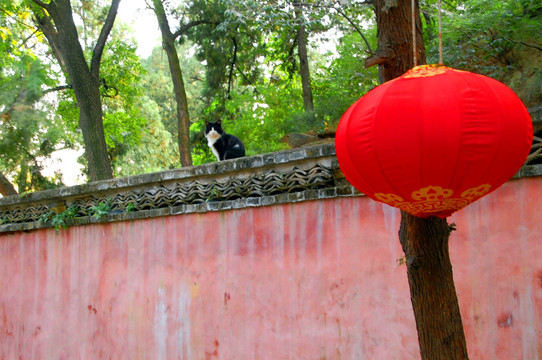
point(424, 241)
point(394, 31)
point(85, 81)
point(91, 124)
point(304, 61)
point(6, 187)
point(168, 42)
point(432, 290)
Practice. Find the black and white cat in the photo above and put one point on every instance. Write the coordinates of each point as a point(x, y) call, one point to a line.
point(224, 146)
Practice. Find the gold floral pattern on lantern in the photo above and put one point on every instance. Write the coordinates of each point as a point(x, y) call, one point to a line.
point(425, 71)
point(434, 199)
point(388, 198)
point(431, 193)
point(477, 192)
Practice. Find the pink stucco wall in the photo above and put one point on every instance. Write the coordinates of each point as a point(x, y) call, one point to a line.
point(312, 280)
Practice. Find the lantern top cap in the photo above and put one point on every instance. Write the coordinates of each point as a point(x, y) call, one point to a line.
point(429, 66)
point(427, 71)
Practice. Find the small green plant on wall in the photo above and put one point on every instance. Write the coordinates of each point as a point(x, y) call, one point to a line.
point(102, 209)
point(130, 207)
point(59, 220)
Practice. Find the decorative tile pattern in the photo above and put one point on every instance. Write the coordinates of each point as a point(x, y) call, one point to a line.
point(294, 175)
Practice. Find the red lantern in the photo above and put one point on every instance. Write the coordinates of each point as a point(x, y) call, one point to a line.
point(433, 140)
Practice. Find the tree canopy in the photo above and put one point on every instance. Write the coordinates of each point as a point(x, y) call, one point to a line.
point(241, 62)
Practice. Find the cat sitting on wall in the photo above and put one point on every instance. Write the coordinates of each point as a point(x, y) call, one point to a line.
point(224, 146)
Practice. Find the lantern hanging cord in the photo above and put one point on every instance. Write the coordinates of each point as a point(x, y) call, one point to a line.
point(414, 32)
point(440, 61)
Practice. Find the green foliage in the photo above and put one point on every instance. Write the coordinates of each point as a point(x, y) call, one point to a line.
point(39, 126)
point(230, 44)
point(157, 150)
point(27, 134)
point(344, 81)
point(130, 208)
point(158, 87)
point(282, 21)
point(240, 66)
point(102, 209)
point(201, 154)
point(61, 220)
point(500, 39)
point(260, 121)
point(262, 111)
point(121, 73)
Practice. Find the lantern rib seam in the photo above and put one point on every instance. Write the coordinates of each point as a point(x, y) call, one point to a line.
point(377, 108)
point(494, 158)
point(489, 164)
point(461, 135)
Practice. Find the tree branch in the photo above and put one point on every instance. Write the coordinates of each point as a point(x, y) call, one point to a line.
point(343, 14)
point(375, 60)
point(41, 4)
point(17, 20)
point(18, 104)
point(104, 33)
point(29, 36)
point(524, 43)
point(355, 27)
point(57, 88)
point(247, 80)
point(103, 82)
point(379, 58)
point(184, 28)
point(291, 57)
point(234, 59)
point(21, 102)
point(48, 29)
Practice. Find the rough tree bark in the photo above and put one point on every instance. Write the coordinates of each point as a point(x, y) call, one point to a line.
point(304, 70)
point(394, 31)
point(432, 290)
point(59, 28)
point(424, 241)
point(168, 43)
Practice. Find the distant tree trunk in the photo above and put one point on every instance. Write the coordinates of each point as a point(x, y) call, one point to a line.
point(61, 34)
point(168, 42)
point(304, 61)
point(6, 187)
point(424, 241)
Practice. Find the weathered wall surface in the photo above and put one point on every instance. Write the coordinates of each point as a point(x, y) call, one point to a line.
point(310, 280)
